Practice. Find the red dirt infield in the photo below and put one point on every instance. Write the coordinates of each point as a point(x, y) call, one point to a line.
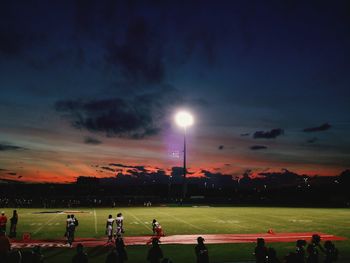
point(182, 239)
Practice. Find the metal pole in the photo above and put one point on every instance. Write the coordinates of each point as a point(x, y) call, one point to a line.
point(184, 169)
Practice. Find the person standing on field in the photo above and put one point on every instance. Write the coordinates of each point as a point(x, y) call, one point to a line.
point(119, 221)
point(109, 228)
point(13, 226)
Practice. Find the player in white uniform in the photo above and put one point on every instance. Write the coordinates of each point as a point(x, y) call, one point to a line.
point(109, 228)
point(119, 221)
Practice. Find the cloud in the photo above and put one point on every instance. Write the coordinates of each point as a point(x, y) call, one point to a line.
point(244, 134)
point(140, 57)
point(91, 140)
point(322, 127)
point(221, 147)
point(257, 147)
point(135, 118)
point(107, 168)
point(12, 173)
point(274, 133)
point(137, 167)
point(8, 147)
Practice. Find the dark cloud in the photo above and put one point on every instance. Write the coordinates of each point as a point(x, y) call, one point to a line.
point(140, 57)
point(136, 118)
point(8, 147)
point(107, 168)
point(244, 134)
point(257, 147)
point(137, 167)
point(221, 147)
point(274, 133)
point(322, 127)
point(91, 140)
point(12, 173)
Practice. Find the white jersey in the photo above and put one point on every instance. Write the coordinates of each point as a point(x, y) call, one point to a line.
point(109, 230)
point(110, 222)
point(70, 222)
point(119, 221)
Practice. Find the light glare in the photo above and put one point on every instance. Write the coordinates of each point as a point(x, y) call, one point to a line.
point(184, 119)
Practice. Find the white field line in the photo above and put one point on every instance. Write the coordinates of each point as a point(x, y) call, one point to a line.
point(183, 221)
point(235, 225)
point(47, 222)
point(137, 219)
point(95, 221)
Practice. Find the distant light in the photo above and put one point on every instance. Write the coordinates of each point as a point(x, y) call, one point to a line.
point(184, 119)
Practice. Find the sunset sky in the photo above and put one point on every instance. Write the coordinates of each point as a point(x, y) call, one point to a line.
point(85, 84)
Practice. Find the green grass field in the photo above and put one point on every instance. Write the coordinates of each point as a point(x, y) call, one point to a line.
point(188, 220)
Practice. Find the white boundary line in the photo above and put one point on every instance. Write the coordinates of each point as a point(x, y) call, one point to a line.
point(183, 221)
point(136, 218)
point(47, 222)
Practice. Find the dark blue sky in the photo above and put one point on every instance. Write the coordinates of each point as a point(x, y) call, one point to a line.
point(86, 83)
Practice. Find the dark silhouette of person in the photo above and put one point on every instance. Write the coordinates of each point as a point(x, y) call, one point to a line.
point(260, 252)
point(272, 256)
point(112, 256)
point(201, 251)
point(15, 256)
point(155, 253)
point(120, 248)
point(81, 256)
point(37, 256)
point(5, 247)
point(13, 225)
point(312, 249)
point(300, 251)
point(330, 251)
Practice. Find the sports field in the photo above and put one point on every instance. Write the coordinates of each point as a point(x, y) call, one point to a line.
point(184, 221)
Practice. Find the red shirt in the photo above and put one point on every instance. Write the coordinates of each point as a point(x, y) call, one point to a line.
point(3, 220)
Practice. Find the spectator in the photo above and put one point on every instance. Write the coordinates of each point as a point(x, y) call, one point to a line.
point(330, 251)
point(272, 256)
point(13, 226)
point(37, 256)
point(260, 251)
point(81, 256)
point(15, 256)
point(3, 222)
point(201, 251)
point(120, 247)
point(300, 251)
point(312, 249)
point(112, 256)
point(5, 247)
point(155, 254)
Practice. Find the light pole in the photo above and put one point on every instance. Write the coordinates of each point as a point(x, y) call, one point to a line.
point(184, 119)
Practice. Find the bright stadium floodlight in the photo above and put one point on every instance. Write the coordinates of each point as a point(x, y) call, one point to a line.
point(184, 119)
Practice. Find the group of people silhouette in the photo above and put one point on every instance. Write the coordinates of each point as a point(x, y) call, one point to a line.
point(301, 255)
